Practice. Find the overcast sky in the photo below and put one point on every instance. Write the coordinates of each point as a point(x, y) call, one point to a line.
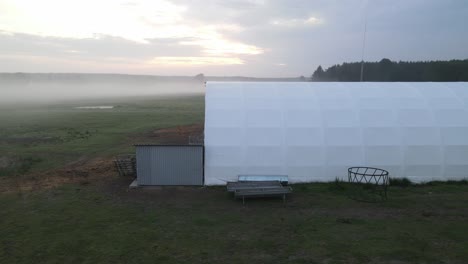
point(224, 37)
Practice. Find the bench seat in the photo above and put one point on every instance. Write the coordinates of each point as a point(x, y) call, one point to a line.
point(268, 191)
point(241, 185)
point(263, 178)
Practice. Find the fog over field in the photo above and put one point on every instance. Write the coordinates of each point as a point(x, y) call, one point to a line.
point(30, 88)
point(59, 91)
point(53, 87)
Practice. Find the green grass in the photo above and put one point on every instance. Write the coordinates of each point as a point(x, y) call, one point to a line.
point(48, 136)
point(77, 224)
point(402, 182)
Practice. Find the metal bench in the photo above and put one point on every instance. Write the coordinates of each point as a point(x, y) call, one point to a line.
point(242, 185)
point(263, 192)
point(259, 186)
point(283, 179)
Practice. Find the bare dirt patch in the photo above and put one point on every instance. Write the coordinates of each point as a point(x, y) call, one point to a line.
point(172, 135)
point(84, 171)
point(100, 170)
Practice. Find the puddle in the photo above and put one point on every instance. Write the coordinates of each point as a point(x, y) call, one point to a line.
point(95, 107)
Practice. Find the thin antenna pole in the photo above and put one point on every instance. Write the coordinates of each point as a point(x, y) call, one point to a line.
point(364, 43)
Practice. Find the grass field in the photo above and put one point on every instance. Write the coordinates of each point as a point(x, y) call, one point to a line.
point(40, 137)
point(318, 224)
point(98, 220)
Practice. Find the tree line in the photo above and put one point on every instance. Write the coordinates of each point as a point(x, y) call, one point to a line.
point(391, 71)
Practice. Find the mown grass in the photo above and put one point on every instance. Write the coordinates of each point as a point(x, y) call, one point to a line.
point(318, 223)
point(39, 137)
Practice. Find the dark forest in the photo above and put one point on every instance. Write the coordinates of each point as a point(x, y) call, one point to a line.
point(391, 71)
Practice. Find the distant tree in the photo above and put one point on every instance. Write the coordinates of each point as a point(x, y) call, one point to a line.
point(385, 70)
point(200, 77)
point(302, 78)
point(318, 74)
point(389, 71)
point(386, 62)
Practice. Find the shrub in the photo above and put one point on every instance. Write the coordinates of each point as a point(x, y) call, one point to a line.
point(402, 182)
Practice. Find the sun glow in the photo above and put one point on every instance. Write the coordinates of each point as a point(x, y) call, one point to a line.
point(187, 61)
point(297, 22)
point(139, 21)
point(83, 19)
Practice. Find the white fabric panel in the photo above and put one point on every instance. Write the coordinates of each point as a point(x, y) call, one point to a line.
point(264, 136)
point(452, 118)
point(302, 103)
point(305, 156)
point(315, 131)
point(303, 118)
point(344, 155)
point(415, 117)
point(261, 103)
point(409, 103)
point(456, 155)
point(343, 136)
point(388, 155)
point(263, 156)
point(225, 136)
point(307, 174)
point(455, 172)
point(423, 155)
point(381, 136)
point(336, 103)
point(224, 156)
point(225, 118)
point(455, 136)
point(378, 118)
point(421, 136)
point(420, 173)
point(340, 118)
point(374, 103)
point(304, 136)
point(264, 118)
point(446, 103)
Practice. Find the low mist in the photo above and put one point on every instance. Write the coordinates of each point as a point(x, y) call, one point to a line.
point(30, 88)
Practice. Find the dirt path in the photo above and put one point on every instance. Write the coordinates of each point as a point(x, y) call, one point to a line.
point(85, 171)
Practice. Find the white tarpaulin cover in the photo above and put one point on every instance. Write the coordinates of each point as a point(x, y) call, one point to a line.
point(314, 131)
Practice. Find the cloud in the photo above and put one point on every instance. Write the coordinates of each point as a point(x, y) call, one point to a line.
point(297, 22)
point(313, 21)
point(99, 47)
point(153, 32)
point(84, 18)
point(243, 4)
point(188, 61)
point(220, 46)
point(246, 37)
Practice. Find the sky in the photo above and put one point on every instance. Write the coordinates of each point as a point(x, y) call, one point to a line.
point(258, 38)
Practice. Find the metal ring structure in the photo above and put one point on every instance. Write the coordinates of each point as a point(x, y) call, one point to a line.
point(374, 180)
